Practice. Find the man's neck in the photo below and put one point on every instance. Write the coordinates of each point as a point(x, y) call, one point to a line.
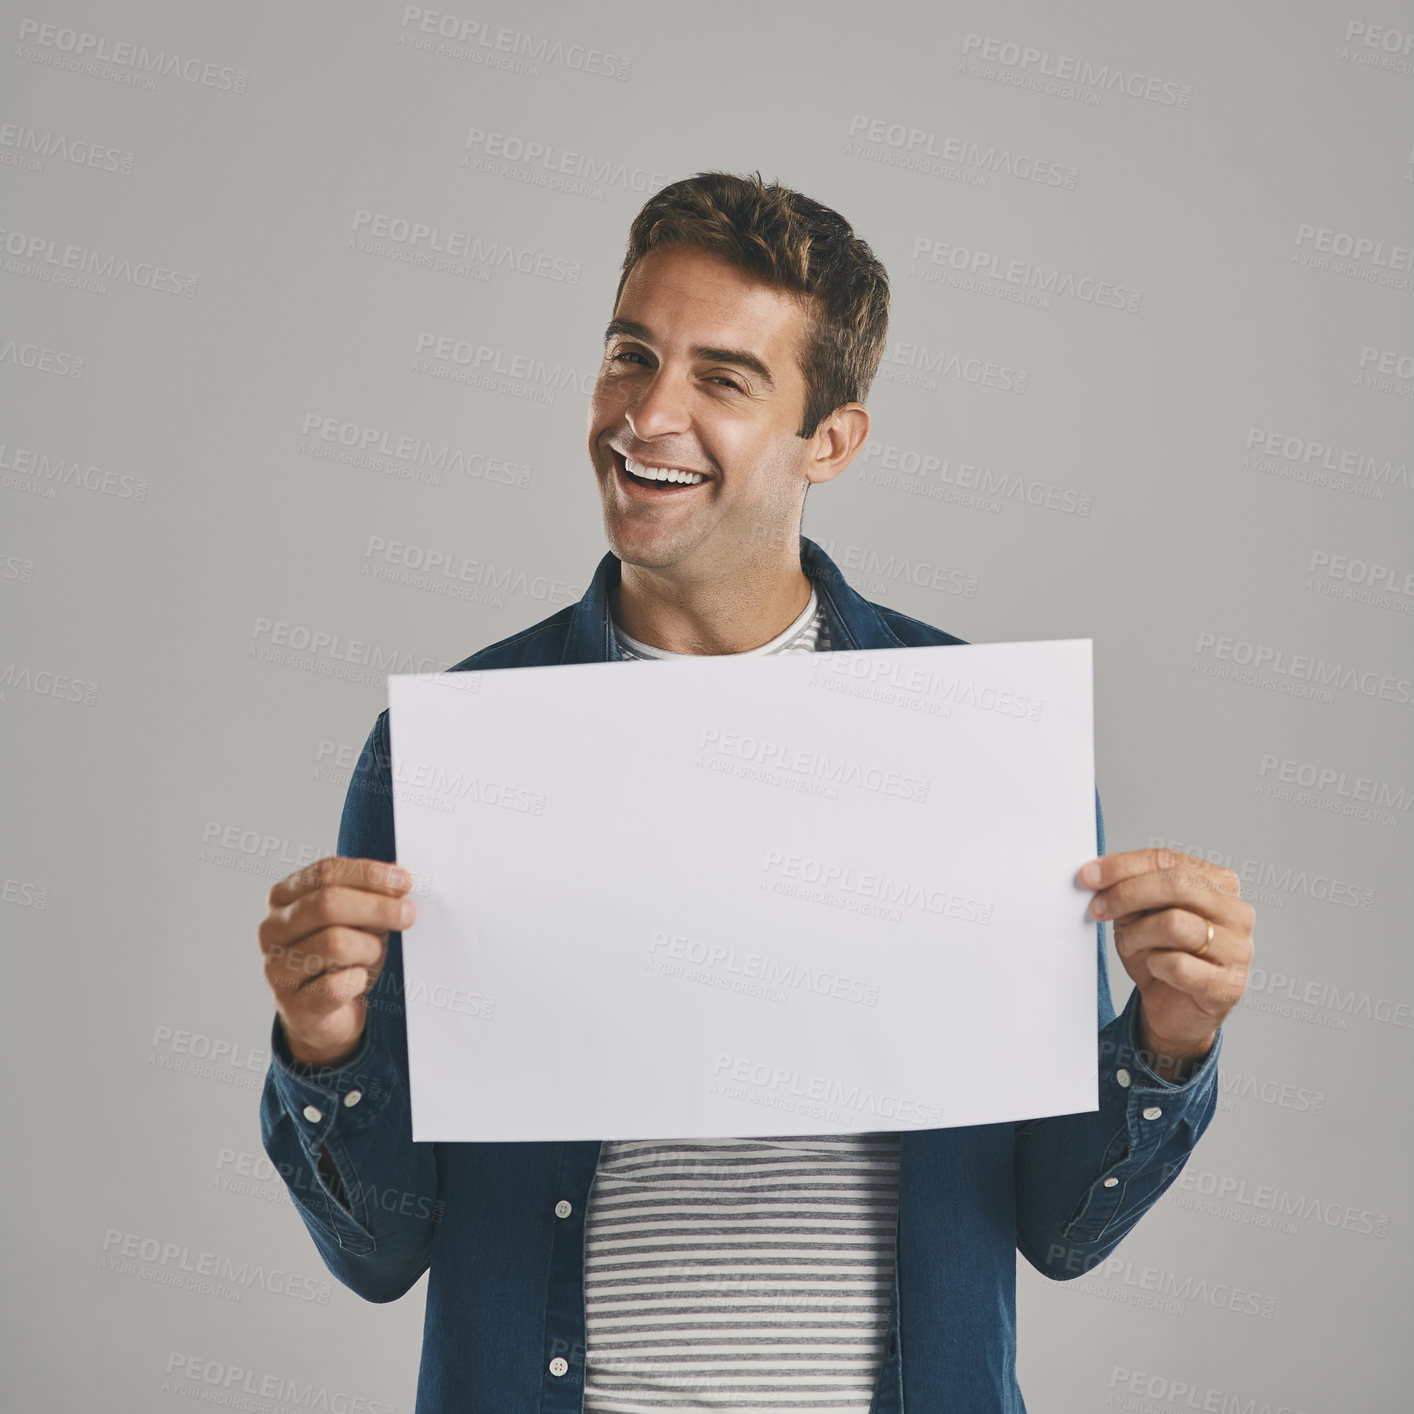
point(733, 612)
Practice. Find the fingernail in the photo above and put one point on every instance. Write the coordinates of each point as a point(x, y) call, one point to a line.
point(400, 878)
point(1090, 874)
point(409, 912)
point(1097, 907)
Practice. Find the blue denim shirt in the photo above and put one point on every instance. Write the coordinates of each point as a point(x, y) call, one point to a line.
point(501, 1225)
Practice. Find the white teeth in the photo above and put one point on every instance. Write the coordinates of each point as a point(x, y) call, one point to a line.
point(660, 473)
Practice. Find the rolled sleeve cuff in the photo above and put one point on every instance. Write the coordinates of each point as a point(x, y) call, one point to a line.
point(1156, 1123)
point(318, 1098)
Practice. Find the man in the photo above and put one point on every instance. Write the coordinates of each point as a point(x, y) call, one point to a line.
point(863, 1272)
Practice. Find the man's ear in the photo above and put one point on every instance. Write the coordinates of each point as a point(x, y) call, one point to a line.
point(837, 440)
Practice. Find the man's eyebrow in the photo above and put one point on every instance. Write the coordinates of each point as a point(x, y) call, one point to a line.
point(741, 357)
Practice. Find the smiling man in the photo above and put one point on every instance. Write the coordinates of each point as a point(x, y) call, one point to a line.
point(695, 432)
point(867, 1272)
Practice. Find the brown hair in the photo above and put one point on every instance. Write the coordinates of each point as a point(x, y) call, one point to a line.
point(784, 239)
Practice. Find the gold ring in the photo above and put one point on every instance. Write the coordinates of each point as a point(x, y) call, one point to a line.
point(1206, 945)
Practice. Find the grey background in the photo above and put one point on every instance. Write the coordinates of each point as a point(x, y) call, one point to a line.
point(165, 509)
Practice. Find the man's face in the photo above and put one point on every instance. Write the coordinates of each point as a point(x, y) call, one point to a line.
point(700, 375)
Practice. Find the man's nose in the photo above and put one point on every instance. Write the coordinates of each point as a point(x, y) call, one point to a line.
point(660, 407)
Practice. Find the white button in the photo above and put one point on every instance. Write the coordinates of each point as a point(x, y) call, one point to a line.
point(563, 1208)
point(313, 1115)
point(1153, 1112)
point(353, 1097)
point(558, 1366)
point(1112, 1183)
point(1123, 1077)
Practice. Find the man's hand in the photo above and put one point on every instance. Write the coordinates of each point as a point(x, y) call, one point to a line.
point(324, 941)
point(1185, 936)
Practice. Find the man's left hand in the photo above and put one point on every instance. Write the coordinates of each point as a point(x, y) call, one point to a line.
point(1184, 935)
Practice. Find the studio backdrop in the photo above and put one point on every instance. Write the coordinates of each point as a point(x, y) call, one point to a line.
point(302, 307)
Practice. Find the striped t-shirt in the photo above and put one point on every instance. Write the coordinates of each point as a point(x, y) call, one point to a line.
point(740, 1274)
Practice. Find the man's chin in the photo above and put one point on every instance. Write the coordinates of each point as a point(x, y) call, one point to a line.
point(651, 551)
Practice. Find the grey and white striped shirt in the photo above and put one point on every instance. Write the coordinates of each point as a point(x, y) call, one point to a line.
point(741, 1274)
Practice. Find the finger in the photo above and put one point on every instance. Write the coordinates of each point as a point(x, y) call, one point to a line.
point(1179, 887)
point(322, 951)
point(325, 973)
point(1177, 929)
point(336, 870)
point(334, 906)
point(305, 1008)
point(1111, 869)
point(1213, 990)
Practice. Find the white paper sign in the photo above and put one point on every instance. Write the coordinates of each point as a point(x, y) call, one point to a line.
point(725, 896)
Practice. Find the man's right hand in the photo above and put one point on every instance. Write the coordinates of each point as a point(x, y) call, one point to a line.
point(324, 940)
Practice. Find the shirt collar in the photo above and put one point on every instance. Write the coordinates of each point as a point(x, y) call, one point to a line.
point(853, 622)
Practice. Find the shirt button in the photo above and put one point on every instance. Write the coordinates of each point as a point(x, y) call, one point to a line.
point(1153, 1112)
point(353, 1097)
point(313, 1115)
point(1123, 1077)
point(559, 1366)
point(563, 1208)
point(1112, 1183)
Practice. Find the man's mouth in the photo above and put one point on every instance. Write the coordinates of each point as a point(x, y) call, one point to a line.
point(656, 480)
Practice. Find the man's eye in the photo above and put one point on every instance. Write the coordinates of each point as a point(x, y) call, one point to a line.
point(718, 378)
point(622, 354)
